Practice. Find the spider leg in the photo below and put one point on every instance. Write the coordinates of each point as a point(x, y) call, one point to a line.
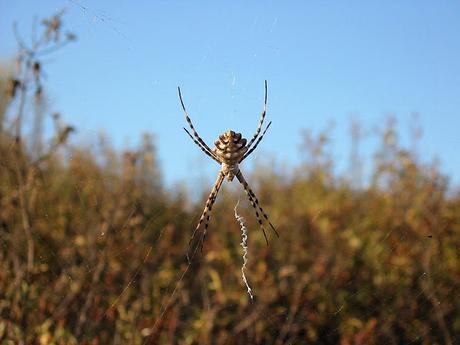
point(195, 133)
point(262, 117)
point(254, 201)
point(200, 146)
point(207, 208)
point(251, 200)
point(257, 143)
point(206, 224)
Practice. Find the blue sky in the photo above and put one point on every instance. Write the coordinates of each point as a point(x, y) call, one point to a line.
point(324, 61)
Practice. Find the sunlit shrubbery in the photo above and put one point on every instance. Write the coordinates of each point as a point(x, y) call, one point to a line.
point(93, 248)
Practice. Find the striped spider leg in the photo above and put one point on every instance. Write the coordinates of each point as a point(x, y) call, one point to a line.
point(197, 139)
point(207, 209)
point(230, 150)
point(262, 118)
point(255, 204)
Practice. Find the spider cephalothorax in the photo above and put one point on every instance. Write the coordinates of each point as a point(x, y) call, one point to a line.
point(230, 150)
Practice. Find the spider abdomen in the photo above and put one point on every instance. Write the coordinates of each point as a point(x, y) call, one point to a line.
point(230, 147)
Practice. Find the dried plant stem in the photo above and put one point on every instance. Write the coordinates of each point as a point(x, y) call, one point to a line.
point(244, 245)
point(21, 167)
point(430, 291)
point(23, 205)
point(27, 78)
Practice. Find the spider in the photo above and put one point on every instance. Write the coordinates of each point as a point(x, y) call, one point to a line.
point(229, 151)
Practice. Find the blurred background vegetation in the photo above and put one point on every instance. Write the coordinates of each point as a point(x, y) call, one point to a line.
point(93, 246)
